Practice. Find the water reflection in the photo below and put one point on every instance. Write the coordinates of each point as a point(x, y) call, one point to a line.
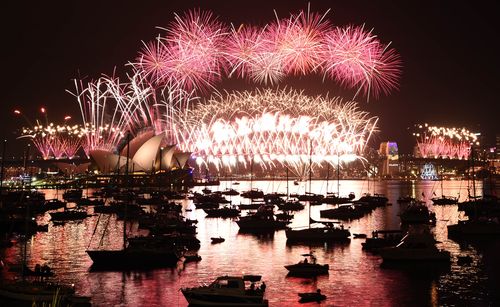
point(355, 278)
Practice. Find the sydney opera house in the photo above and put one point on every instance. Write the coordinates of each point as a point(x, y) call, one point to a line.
point(146, 153)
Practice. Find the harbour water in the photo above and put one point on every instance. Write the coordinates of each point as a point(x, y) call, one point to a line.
point(356, 277)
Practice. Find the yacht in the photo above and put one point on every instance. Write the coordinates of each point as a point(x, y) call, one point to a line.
point(415, 246)
point(479, 226)
point(229, 291)
point(444, 200)
point(417, 213)
point(263, 219)
point(307, 267)
point(329, 232)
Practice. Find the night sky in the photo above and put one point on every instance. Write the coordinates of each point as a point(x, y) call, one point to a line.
point(449, 49)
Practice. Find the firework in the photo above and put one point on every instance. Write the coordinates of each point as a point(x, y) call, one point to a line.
point(357, 59)
point(153, 60)
point(274, 127)
point(104, 113)
point(298, 41)
point(56, 141)
point(197, 51)
point(443, 142)
point(193, 45)
point(243, 50)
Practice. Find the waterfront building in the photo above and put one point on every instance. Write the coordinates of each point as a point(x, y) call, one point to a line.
point(390, 159)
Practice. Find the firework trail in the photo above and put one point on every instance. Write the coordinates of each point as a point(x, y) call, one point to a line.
point(104, 116)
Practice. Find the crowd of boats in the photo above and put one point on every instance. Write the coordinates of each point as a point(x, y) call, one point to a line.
point(172, 237)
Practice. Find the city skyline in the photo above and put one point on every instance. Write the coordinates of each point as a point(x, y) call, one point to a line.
point(444, 69)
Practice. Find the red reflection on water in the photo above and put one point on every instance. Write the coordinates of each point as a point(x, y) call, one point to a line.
point(355, 277)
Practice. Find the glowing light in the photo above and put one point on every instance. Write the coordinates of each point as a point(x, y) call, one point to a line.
point(444, 142)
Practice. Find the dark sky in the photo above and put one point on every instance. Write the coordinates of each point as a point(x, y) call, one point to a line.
point(450, 54)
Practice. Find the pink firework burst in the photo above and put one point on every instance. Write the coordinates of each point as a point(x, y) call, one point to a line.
point(242, 49)
point(385, 73)
point(299, 41)
point(195, 43)
point(357, 59)
point(152, 60)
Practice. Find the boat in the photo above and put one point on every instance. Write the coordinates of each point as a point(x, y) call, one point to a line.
point(308, 196)
point(40, 292)
point(262, 220)
point(417, 213)
point(477, 206)
point(230, 192)
point(222, 212)
point(344, 212)
point(329, 232)
point(253, 194)
point(443, 200)
point(291, 205)
point(69, 215)
point(307, 267)
point(89, 202)
point(334, 199)
point(54, 204)
point(415, 246)
point(72, 195)
point(376, 200)
point(135, 257)
point(251, 206)
point(229, 291)
point(382, 238)
point(474, 227)
point(192, 258)
point(308, 297)
point(216, 240)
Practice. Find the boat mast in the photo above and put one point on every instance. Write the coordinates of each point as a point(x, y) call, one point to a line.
point(327, 176)
point(310, 181)
point(310, 166)
point(440, 168)
point(338, 174)
point(287, 190)
point(473, 172)
point(251, 174)
point(27, 218)
point(126, 186)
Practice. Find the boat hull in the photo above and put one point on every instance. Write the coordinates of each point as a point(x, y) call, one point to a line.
point(132, 259)
point(307, 269)
point(318, 234)
point(409, 255)
point(213, 299)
